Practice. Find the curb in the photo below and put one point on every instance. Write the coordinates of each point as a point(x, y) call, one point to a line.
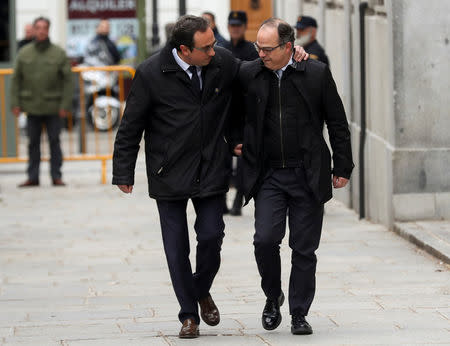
point(416, 235)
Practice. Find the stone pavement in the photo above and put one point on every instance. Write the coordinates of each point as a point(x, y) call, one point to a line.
point(84, 265)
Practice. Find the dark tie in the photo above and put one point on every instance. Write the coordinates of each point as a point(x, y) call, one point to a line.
point(195, 80)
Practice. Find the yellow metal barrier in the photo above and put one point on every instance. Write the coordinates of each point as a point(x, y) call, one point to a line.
point(84, 156)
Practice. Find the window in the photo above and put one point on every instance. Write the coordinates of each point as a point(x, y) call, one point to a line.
point(5, 44)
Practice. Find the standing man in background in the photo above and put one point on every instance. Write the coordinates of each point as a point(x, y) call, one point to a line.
point(29, 36)
point(243, 50)
point(101, 50)
point(306, 37)
point(238, 45)
point(211, 18)
point(42, 87)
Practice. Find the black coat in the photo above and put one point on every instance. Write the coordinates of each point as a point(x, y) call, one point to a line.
point(185, 147)
point(313, 82)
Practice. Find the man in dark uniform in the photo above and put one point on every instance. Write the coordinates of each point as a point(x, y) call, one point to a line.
point(238, 45)
point(243, 50)
point(306, 37)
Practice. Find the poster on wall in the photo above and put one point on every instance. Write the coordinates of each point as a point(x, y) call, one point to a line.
point(84, 16)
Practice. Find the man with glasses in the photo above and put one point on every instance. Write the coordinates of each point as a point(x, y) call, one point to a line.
point(287, 164)
point(180, 99)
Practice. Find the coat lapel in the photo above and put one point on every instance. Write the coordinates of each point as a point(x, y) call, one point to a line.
point(210, 73)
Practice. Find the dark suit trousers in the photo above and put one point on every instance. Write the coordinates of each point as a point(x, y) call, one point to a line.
point(209, 226)
point(284, 192)
point(53, 127)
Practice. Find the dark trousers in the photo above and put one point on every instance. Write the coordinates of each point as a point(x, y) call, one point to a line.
point(284, 192)
point(209, 226)
point(53, 127)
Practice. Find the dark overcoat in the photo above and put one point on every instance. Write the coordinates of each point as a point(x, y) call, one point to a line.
point(312, 81)
point(185, 146)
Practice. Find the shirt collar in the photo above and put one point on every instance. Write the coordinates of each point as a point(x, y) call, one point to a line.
point(183, 64)
point(289, 62)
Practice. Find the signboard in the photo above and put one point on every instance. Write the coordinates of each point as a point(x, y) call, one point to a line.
point(83, 17)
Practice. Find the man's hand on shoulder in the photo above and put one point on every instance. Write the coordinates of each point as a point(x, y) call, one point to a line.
point(126, 188)
point(300, 54)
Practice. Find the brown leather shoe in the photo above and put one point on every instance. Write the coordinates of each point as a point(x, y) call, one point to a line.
point(58, 182)
point(208, 311)
point(189, 330)
point(29, 183)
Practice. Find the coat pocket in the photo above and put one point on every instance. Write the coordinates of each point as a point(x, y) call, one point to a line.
point(55, 95)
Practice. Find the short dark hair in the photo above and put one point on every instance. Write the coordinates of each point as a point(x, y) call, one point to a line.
point(285, 31)
point(41, 18)
point(210, 14)
point(184, 30)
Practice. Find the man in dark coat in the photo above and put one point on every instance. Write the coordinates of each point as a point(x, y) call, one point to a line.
point(306, 36)
point(287, 164)
point(180, 99)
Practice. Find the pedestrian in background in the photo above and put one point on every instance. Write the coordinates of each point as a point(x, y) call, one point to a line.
point(101, 51)
point(29, 36)
point(42, 86)
point(287, 164)
point(306, 37)
point(211, 18)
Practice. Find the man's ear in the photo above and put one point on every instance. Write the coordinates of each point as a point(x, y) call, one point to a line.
point(184, 50)
point(289, 46)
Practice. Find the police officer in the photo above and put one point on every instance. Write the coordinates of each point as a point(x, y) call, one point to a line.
point(306, 37)
point(238, 45)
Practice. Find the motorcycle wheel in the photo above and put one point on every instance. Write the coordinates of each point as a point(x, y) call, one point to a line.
point(101, 120)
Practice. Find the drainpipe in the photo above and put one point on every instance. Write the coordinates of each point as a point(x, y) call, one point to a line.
point(182, 7)
point(155, 29)
point(362, 205)
point(321, 33)
point(348, 70)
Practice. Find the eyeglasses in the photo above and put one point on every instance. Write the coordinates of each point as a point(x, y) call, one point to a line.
point(267, 50)
point(206, 49)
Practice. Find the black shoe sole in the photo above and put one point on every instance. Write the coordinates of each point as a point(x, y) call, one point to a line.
point(301, 332)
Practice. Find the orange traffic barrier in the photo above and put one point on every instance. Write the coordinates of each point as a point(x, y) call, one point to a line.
point(98, 154)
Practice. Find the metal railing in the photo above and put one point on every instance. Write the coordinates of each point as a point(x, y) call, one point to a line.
point(84, 155)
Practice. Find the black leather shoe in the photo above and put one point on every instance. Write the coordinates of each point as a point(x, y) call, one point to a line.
point(271, 316)
point(299, 326)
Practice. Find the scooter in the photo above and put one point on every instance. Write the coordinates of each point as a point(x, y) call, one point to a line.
point(102, 110)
